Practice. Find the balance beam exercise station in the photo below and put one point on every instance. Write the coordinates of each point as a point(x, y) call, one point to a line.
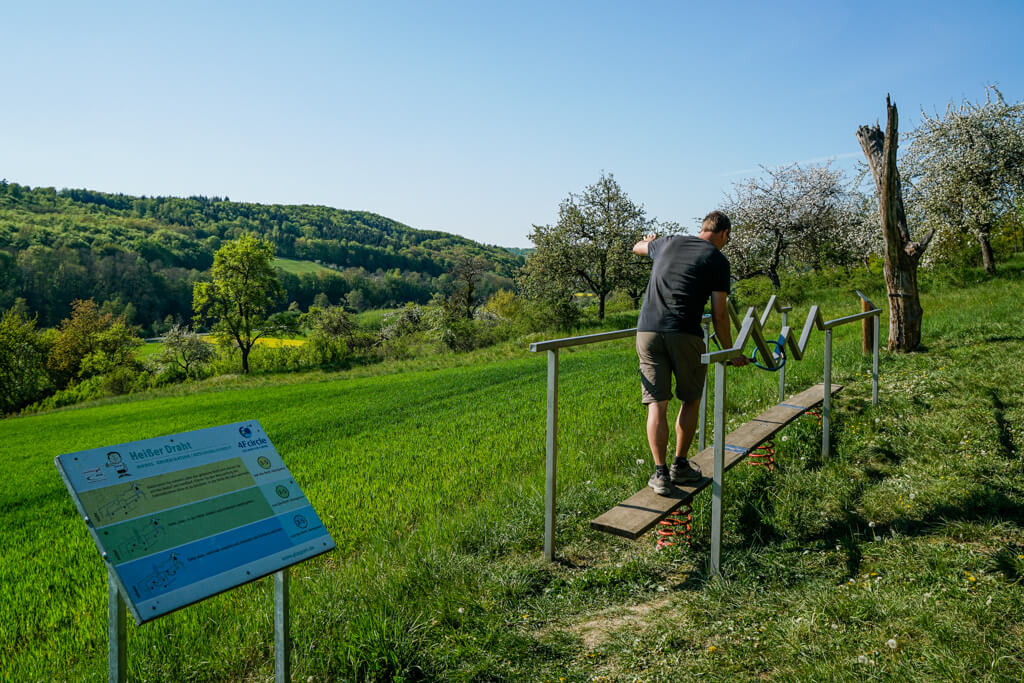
point(643, 510)
point(636, 515)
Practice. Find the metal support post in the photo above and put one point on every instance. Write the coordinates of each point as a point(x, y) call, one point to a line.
point(117, 642)
point(552, 457)
point(782, 370)
point(874, 365)
point(719, 471)
point(282, 639)
point(702, 418)
point(826, 410)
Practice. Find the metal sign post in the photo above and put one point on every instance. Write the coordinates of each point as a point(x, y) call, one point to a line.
point(117, 643)
point(282, 630)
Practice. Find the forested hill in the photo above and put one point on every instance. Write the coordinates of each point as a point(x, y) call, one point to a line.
point(143, 254)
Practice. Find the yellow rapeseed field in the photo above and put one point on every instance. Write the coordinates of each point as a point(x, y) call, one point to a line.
point(275, 343)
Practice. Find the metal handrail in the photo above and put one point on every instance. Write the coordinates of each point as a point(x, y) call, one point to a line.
point(553, 344)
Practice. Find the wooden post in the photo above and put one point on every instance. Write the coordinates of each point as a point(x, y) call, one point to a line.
point(867, 328)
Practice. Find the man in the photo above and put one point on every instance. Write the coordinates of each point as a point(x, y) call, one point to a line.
point(687, 271)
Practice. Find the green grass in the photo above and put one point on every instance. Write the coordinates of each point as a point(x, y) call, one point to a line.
point(148, 349)
point(373, 320)
point(297, 267)
point(429, 476)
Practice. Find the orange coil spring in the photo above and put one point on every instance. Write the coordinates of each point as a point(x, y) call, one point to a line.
point(677, 525)
point(764, 455)
point(815, 413)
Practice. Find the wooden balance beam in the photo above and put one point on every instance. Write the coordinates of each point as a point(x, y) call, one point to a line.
point(637, 514)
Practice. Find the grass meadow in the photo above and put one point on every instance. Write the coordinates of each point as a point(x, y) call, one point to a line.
point(298, 267)
point(897, 557)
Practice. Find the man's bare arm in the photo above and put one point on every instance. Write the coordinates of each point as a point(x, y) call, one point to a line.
point(640, 248)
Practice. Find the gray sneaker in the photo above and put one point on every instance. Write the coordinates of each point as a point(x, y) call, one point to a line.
point(684, 472)
point(661, 484)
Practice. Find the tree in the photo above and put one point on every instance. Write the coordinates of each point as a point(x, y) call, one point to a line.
point(792, 216)
point(244, 288)
point(467, 270)
point(590, 247)
point(186, 350)
point(23, 377)
point(966, 169)
point(902, 255)
point(330, 333)
point(90, 343)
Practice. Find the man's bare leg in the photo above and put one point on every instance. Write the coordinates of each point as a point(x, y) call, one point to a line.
point(657, 430)
point(686, 427)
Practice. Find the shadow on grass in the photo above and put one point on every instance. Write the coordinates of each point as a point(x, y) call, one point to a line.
point(983, 505)
point(1006, 445)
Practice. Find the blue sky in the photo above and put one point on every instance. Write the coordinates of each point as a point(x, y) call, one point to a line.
point(476, 118)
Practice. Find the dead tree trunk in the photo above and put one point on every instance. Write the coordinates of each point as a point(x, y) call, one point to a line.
point(901, 254)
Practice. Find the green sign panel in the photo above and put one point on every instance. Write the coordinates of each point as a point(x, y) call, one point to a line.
point(183, 517)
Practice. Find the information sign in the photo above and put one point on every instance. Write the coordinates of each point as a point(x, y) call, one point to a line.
point(183, 517)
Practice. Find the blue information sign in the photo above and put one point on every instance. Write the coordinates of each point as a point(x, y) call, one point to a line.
point(180, 518)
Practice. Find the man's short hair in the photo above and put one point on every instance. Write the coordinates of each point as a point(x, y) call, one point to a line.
point(715, 222)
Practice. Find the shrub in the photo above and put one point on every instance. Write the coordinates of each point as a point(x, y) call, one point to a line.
point(90, 344)
point(186, 352)
point(23, 352)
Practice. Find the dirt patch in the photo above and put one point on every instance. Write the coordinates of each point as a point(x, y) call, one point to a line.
point(596, 630)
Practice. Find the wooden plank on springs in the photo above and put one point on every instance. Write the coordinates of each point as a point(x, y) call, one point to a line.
point(636, 515)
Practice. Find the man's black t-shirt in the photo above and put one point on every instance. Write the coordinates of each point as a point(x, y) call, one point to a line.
point(686, 270)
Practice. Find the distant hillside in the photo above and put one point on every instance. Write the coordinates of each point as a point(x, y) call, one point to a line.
point(141, 255)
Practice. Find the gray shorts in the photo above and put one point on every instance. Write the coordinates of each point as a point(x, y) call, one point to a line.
point(663, 354)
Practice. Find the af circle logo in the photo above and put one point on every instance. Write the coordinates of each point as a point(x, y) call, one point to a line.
point(245, 431)
point(300, 521)
point(281, 491)
point(264, 462)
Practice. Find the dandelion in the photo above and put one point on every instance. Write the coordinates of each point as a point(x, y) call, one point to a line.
point(462, 610)
point(711, 648)
point(639, 461)
point(862, 659)
point(871, 524)
point(891, 643)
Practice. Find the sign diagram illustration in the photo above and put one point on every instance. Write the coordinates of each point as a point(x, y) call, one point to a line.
point(162, 576)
